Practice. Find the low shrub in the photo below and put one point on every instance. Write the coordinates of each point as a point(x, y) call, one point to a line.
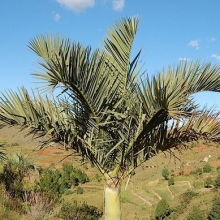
point(59, 181)
point(79, 190)
point(208, 182)
point(14, 172)
point(77, 211)
point(198, 171)
point(189, 194)
point(196, 214)
point(207, 168)
point(217, 181)
point(214, 213)
point(171, 181)
point(187, 197)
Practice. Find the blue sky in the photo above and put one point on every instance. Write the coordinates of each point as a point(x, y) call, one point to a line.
point(169, 31)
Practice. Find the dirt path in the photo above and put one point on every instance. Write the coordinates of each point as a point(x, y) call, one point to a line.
point(170, 192)
point(188, 183)
point(144, 200)
point(156, 194)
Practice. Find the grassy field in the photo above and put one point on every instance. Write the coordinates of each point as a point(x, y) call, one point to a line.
point(144, 189)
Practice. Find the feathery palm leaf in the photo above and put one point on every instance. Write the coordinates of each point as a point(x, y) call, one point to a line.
point(118, 44)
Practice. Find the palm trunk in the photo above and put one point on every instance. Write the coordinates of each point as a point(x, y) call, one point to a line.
point(112, 203)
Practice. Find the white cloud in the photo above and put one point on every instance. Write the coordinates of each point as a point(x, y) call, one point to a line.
point(118, 5)
point(216, 56)
point(212, 39)
point(57, 17)
point(194, 44)
point(77, 5)
point(184, 59)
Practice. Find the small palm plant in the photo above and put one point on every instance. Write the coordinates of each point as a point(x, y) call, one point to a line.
point(114, 117)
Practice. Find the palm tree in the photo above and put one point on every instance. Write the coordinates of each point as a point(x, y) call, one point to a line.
point(119, 119)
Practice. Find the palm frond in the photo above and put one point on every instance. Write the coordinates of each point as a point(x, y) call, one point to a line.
point(118, 44)
point(172, 89)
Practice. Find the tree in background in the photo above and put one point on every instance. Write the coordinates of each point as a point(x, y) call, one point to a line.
point(109, 110)
point(162, 209)
point(165, 173)
point(208, 182)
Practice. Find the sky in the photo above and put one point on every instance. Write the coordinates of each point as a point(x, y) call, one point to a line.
point(169, 31)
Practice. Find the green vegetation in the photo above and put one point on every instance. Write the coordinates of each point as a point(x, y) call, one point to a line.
point(217, 181)
point(188, 195)
point(198, 171)
point(14, 171)
point(208, 182)
point(196, 214)
point(162, 209)
point(22, 197)
point(60, 181)
point(79, 190)
point(215, 211)
point(80, 212)
point(165, 173)
point(207, 168)
point(171, 181)
point(185, 200)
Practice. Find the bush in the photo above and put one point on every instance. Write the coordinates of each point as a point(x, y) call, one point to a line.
point(162, 209)
point(50, 182)
point(187, 197)
point(68, 192)
point(80, 212)
point(215, 211)
point(198, 171)
point(171, 181)
point(208, 182)
point(217, 181)
point(165, 173)
point(77, 176)
point(195, 214)
point(79, 190)
point(14, 172)
point(59, 181)
point(19, 197)
point(207, 168)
